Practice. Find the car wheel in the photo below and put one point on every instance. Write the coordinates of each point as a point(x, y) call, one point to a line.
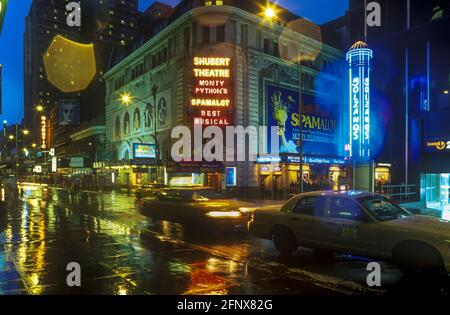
point(284, 241)
point(415, 258)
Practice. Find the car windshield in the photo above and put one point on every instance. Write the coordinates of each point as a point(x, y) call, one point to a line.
point(383, 209)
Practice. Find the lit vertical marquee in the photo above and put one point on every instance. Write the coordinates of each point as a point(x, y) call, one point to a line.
point(359, 61)
point(212, 102)
point(44, 132)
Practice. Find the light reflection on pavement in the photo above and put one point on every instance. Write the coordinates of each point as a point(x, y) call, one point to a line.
point(122, 252)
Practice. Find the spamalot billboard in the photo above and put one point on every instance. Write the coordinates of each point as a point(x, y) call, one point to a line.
point(319, 123)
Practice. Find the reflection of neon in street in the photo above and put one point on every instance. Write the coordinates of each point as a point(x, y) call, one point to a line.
point(359, 60)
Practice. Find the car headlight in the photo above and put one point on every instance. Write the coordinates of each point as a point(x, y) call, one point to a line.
point(224, 214)
point(246, 209)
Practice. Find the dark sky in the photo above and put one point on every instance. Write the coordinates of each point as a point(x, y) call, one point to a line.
point(11, 43)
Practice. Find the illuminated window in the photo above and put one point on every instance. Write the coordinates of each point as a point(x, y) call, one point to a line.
point(213, 2)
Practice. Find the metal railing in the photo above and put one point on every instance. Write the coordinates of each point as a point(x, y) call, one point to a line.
point(399, 193)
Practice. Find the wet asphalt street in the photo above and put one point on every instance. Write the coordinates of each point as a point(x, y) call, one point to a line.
point(122, 252)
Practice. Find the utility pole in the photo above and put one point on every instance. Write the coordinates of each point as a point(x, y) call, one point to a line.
point(17, 151)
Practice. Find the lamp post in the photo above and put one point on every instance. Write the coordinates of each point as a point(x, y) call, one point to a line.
point(300, 109)
point(155, 120)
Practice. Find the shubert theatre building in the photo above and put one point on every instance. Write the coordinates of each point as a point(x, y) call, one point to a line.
point(228, 63)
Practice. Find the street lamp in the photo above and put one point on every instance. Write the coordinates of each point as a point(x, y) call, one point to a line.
point(126, 98)
point(269, 13)
point(40, 108)
point(11, 137)
point(26, 132)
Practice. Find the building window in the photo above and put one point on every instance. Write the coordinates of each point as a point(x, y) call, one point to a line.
point(187, 38)
point(117, 129)
point(220, 36)
point(126, 124)
point(205, 34)
point(276, 49)
point(244, 35)
point(266, 46)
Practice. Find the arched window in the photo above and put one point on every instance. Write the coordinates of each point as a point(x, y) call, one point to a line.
point(148, 117)
point(126, 124)
point(137, 119)
point(117, 128)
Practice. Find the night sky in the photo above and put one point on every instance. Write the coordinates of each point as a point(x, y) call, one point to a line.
point(11, 43)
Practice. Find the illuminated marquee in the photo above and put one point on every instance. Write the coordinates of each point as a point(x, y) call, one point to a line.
point(44, 132)
point(211, 101)
point(359, 60)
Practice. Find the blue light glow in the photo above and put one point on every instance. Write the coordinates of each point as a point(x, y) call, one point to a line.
point(359, 62)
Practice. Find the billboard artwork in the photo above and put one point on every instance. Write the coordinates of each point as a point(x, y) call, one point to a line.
point(69, 113)
point(319, 125)
point(144, 151)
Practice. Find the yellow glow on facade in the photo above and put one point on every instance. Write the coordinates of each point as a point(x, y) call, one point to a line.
point(70, 66)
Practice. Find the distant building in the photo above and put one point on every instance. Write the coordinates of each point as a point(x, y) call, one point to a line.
point(260, 54)
point(411, 83)
point(111, 25)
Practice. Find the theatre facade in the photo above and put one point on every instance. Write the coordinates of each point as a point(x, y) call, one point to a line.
point(223, 65)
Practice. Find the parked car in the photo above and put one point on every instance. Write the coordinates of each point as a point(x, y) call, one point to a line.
point(147, 190)
point(196, 206)
point(357, 223)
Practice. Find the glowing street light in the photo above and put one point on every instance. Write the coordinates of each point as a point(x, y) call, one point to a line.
point(270, 13)
point(11, 137)
point(34, 145)
point(40, 108)
point(126, 98)
point(26, 132)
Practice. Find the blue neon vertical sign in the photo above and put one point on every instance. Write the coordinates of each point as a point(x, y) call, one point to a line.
point(359, 61)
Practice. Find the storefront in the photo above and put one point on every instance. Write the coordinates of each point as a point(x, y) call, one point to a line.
point(382, 174)
point(194, 174)
point(435, 190)
point(281, 176)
